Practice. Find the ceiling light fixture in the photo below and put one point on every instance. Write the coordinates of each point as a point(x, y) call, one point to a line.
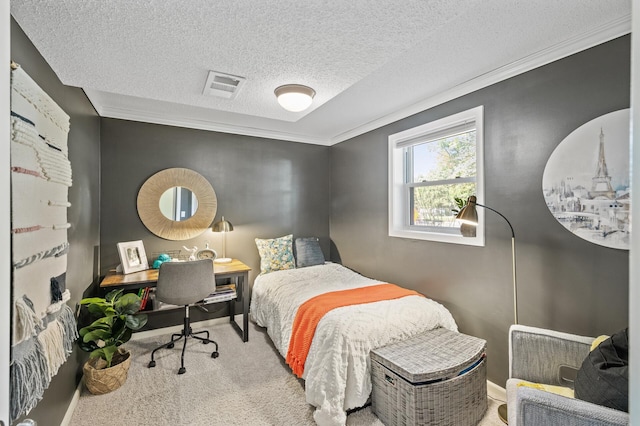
point(294, 97)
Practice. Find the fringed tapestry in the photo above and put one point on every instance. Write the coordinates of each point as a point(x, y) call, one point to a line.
point(44, 327)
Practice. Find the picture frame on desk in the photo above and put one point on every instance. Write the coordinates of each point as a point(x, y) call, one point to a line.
point(133, 258)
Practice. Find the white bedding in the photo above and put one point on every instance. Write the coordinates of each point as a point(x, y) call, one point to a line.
point(337, 371)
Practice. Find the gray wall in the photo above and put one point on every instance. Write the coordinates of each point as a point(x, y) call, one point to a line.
point(265, 188)
point(84, 195)
point(564, 282)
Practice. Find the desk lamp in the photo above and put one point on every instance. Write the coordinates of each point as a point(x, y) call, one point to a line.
point(224, 227)
point(469, 215)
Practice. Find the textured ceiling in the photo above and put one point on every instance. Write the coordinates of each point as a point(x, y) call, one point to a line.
point(370, 62)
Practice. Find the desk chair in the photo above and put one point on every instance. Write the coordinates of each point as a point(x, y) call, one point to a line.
point(185, 283)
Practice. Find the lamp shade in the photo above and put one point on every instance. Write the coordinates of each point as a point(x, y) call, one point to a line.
point(468, 214)
point(222, 226)
point(294, 97)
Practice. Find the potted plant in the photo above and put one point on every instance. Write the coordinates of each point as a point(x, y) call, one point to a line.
point(114, 318)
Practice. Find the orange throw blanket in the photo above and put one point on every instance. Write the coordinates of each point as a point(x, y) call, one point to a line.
point(311, 312)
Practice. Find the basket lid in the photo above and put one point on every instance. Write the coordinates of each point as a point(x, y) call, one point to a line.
point(434, 355)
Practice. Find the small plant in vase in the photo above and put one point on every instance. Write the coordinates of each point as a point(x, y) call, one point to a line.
point(460, 202)
point(114, 317)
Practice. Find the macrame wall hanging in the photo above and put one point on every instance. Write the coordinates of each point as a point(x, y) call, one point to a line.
point(43, 327)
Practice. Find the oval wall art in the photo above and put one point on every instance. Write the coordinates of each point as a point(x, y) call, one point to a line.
point(586, 181)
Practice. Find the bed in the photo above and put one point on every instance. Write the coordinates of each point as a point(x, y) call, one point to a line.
point(337, 369)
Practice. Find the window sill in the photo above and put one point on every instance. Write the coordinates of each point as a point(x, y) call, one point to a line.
point(478, 240)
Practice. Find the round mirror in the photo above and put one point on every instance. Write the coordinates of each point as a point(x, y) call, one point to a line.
point(191, 201)
point(178, 203)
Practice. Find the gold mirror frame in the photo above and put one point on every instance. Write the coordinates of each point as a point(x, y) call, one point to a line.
point(149, 204)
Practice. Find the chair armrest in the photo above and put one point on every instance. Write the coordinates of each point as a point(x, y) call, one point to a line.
point(529, 406)
point(542, 356)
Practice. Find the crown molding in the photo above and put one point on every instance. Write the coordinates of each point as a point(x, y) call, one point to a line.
point(194, 123)
point(594, 37)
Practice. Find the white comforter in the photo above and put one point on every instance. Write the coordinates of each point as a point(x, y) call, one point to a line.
point(337, 370)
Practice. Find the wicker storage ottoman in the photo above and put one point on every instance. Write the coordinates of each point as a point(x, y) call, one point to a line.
point(436, 378)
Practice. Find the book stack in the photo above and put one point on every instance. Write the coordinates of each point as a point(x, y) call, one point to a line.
point(143, 294)
point(223, 293)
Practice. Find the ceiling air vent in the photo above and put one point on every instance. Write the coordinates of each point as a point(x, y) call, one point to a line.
point(223, 85)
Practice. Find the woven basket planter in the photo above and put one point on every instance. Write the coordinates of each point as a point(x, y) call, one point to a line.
point(104, 380)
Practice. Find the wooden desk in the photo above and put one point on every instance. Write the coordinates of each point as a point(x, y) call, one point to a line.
point(235, 270)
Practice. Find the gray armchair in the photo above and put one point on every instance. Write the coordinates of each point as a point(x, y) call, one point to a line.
point(552, 358)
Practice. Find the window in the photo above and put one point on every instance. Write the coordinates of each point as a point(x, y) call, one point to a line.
point(430, 166)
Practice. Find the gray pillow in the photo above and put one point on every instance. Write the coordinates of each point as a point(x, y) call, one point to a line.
point(308, 252)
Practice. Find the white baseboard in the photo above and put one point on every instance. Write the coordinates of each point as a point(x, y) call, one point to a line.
point(72, 405)
point(496, 392)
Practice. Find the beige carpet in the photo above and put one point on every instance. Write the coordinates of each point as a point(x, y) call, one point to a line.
point(249, 384)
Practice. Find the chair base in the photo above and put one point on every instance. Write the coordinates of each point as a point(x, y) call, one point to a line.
point(186, 333)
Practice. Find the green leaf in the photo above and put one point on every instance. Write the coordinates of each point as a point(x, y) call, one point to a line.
point(124, 337)
point(87, 346)
point(128, 304)
point(96, 309)
point(96, 335)
point(118, 329)
point(103, 322)
point(92, 300)
point(136, 322)
point(89, 328)
point(108, 352)
point(98, 353)
point(110, 311)
point(85, 330)
point(113, 295)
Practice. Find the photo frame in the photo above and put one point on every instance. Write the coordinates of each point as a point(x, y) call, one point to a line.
point(132, 256)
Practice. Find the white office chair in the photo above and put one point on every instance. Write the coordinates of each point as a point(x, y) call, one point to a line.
point(185, 283)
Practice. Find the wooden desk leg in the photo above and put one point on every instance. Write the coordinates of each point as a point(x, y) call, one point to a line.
point(242, 287)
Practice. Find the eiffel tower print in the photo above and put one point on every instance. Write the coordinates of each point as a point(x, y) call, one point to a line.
point(601, 183)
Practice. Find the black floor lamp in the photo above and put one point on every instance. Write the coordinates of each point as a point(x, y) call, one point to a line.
point(469, 215)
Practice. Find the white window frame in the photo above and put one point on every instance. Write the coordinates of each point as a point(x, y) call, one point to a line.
point(399, 202)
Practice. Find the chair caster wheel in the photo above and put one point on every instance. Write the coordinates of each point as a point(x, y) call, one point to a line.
point(170, 346)
point(182, 370)
point(204, 342)
point(152, 364)
point(215, 354)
